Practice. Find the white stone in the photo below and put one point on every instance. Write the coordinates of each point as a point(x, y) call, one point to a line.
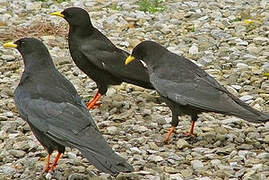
point(197, 164)
point(246, 98)
point(193, 49)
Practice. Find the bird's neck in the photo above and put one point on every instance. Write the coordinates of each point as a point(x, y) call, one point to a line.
point(37, 63)
point(81, 30)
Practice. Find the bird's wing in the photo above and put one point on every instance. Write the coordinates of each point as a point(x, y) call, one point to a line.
point(197, 94)
point(185, 83)
point(65, 123)
point(111, 59)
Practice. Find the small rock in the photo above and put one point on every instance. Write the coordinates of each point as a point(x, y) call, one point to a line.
point(197, 164)
point(265, 67)
point(79, 176)
point(3, 118)
point(111, 91)
point(240, 42)
point(230, 120)
point(204, 178)
point(260, 40)
point(71, 155)
point(8, 57)
point(22, 145)
point(142, 129)
point(242, 66)
point(246, 98)
point(135, 149)
point(171, 170)
point(112, 130)
point(265, 86)
point(125, 176)
point(193, 49)
point(245, 146)
point(181, 143)
point(175, 177)
point(48, 176)
point(17, 153)
point(266, 139)
point(215, 162)
point(7, 170)
point(237, 87)
point(155, 158)
point(8, 114)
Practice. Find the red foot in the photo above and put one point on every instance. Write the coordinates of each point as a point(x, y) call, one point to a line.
point(93, 103)
point(47, 166)
point(190, 133)
point(54, 164)
point(172, 129)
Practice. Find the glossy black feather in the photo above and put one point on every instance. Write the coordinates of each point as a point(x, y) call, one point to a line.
point(55, 112)
point(98, 57)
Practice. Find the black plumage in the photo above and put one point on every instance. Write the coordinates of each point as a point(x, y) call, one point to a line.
point(51, 106)
point(98, 57)
point(187, 89)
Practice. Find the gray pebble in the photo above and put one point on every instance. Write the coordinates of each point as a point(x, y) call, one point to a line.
point(197, 164)
point(8, 57)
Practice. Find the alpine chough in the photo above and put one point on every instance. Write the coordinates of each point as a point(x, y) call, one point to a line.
point(51, 106)
point(187, 89)
point(98, 57)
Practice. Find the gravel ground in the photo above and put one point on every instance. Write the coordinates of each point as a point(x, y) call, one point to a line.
point(227, 38)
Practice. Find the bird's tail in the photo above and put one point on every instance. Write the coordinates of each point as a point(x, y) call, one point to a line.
point(110, 163)
point(94, 147)
point(248, 113)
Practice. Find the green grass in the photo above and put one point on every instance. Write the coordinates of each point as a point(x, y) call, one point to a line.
point(115, 7)
point(238, 18)
point(58, 1)
point(151, 6)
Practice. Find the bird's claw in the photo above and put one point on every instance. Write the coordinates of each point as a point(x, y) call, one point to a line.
point(189, 134)
point(93, 105)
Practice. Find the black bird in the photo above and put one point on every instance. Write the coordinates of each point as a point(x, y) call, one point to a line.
point(187, 89)
point(51, 106)
point(98, 57)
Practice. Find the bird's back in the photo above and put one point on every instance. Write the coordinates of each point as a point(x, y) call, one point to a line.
point(185, 83)
point(107, 59)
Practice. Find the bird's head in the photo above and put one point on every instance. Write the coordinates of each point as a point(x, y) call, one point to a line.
point(25, 45)
point(75, 16)
point(146, 51)
point(33, 51)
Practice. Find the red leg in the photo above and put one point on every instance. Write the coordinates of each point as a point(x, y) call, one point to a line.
point(95, 94)
point(190, 133)
point(54, 164)
point(47, 166)
point(172, 129)
point(93, 103)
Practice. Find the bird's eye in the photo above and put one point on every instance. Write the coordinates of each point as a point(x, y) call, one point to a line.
point(22, 43)
point(66, 14)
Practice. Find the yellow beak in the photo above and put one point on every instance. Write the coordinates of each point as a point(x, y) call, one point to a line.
point(57, 14)
point(10, 44)
point(266, 74)
point(129, 59)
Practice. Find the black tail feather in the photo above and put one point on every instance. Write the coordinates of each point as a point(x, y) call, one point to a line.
point(112, 164)
point(250, 114)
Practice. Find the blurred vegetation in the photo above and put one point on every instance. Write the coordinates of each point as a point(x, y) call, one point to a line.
point(58, 1)
point(115, 7)
point(151, 6)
